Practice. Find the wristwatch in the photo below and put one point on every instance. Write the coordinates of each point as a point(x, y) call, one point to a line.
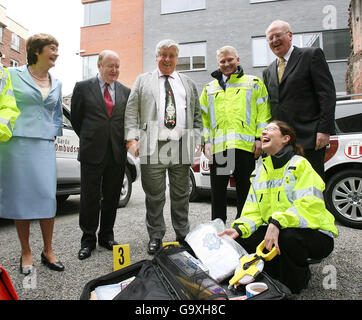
point(275, 222)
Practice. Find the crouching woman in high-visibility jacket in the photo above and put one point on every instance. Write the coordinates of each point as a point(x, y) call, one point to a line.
point(286, 194)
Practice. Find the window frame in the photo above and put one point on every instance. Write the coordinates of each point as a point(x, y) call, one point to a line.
point(83, 67)
point(86, 16)
point(14, 63)
point(15, 46)
point(300, 43)
point(204, 43)
point(182, 10)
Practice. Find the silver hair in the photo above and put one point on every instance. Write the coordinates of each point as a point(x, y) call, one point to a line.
point(168, 43)
point(285, 24)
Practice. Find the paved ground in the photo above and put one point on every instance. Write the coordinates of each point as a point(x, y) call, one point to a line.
point(337, 277)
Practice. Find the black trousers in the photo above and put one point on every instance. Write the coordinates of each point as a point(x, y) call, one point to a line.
point(101, 186)
point(316, 159)
point(296, 245)
point(241, 164)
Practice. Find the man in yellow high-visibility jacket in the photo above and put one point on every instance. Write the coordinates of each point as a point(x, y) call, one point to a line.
point(8, 110)
point(235, 109)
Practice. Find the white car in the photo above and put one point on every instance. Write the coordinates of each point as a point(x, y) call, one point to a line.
point(343, 167)
point(68, 167)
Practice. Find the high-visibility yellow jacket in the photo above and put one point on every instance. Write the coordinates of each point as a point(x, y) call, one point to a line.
point(8, 110)
point(234, 116)
point(292, 195)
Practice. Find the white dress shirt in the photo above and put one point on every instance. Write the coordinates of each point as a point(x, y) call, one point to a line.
point(111, 87)
point(286, 57)
point(179, 93)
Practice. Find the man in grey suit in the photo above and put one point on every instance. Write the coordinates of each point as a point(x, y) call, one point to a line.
point(163, 125)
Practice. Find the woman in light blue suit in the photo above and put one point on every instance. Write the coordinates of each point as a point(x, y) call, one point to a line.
point(27, 161)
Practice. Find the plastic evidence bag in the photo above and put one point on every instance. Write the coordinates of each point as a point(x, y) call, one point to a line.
point(221, 255)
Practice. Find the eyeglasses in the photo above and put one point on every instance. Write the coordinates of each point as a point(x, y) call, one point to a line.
point(270, 129)
point(277, 36)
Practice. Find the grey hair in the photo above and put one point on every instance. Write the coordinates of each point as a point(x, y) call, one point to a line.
point(285, 24)
point(168, 43)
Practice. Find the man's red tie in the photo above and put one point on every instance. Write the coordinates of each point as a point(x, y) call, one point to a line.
point(108, 100)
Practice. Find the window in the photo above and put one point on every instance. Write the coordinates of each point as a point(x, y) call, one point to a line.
point(171, 6)
point(335, 44)
point(90, 68)
point(96, 13)
point(1, 34)
point(15, 42)
point(262, 55)
point(14, 63)
point(192, 56)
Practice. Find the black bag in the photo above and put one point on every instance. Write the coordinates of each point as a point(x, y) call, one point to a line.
point(276, 290)
point(166, 277)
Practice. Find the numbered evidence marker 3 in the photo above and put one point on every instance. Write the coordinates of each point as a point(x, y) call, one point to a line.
point(121, 256)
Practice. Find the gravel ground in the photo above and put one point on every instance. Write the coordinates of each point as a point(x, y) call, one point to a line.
point(337, 278)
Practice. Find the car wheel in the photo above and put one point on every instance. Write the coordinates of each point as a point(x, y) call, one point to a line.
point(193, 194)
point(126, 189)
point(344, 197)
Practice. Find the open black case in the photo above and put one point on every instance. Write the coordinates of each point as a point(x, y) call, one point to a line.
point(173, 275)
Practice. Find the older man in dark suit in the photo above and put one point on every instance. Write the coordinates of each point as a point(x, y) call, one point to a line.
point(97, 115)
point(301, 92)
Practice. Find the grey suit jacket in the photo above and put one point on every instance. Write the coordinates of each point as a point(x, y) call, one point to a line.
point(141, 116)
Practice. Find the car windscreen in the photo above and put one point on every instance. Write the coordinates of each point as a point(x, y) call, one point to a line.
point(348, 116)
point(350, 124)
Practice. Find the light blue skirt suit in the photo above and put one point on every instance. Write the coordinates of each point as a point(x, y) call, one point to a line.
point(27, 160)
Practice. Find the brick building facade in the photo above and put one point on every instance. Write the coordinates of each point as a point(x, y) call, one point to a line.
point(12, 41)
point(133, 27)
point(115, 25)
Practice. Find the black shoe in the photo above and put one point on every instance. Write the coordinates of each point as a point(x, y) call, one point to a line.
point(108, 244)
point(181, 241)
point(85, 253)
point(56, 266)
point(154, 245)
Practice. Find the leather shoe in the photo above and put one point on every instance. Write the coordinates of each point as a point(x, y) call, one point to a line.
point(108, 244)
point(153, 246)
point(56, 266)
point(84, 253)
point(181, 241)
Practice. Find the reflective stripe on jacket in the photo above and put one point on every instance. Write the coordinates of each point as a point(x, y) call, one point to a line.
point(292, 195)
point(8, 110)
point(234, 117)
